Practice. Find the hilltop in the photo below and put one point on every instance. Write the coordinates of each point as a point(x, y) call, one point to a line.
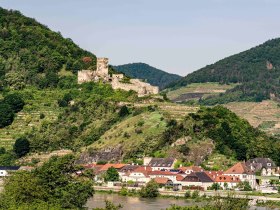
point(32, 54)
point(255, 72)
point(144, 71)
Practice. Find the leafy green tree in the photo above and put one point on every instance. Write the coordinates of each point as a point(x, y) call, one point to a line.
point(50, 186)
point(111, 175)
point(215, 186)
point(6, 115)
point(23, 187)
point(123, 111)
point(15, 101)
point(21, 147)
point(150, 190)
point(7, 159)
point(2, 150)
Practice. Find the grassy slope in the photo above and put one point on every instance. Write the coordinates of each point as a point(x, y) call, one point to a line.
point(153, 125)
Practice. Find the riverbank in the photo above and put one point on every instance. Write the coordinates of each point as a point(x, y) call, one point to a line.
point(169, 193)
point(159, 203)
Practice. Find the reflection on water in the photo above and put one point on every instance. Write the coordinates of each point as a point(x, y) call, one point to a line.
point(136, 203)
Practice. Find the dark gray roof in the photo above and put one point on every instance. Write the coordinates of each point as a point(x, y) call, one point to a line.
point(203, 177)
point(259, 163)
point(128, 168)
point(9, 168)
point(161, 162)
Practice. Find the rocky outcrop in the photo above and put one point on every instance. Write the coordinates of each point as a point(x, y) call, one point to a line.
point(109, 154)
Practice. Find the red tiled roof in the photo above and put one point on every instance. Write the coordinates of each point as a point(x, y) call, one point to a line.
point(143, 169)
point(193, 168)
point(114, 165)
point(161, 180)
point(179, 177)
point(225, 178)
point(239, 168)
point(167, 173)
point(214, 174)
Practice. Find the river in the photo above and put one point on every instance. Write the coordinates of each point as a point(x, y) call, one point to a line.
point(136, 203)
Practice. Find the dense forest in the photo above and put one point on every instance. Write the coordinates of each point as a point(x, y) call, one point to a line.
point(150, 74)
point(257, 70)
point(32, 54)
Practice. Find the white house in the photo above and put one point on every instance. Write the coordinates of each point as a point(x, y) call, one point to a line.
point(227, 182)
point(244, 173)
point(5, 170)
point(158, 164)
point(139, 175)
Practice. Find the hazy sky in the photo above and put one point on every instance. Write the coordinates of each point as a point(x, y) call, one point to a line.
point(177, 36)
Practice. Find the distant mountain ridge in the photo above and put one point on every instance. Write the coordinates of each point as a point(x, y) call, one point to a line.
point(257, 70)
point(144, 71)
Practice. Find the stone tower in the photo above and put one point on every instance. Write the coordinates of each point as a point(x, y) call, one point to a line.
point(102, 68)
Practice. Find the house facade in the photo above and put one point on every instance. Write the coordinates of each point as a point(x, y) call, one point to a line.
point(244, 173)
point(158, 164)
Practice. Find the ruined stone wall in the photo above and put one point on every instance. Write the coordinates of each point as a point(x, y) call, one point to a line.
point(85, 76)
point(102, 68)
point(136, 85)
point(102, 73)
point(149, 88)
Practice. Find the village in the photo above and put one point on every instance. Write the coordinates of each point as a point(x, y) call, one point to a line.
point(258, 174)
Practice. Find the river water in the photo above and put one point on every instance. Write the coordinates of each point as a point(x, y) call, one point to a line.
point(136, 203)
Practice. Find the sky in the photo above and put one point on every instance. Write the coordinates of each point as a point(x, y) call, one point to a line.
point(177, 36)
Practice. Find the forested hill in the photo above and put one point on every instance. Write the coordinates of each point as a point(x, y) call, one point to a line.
point(257, 70)
point(30, 53)
point(152, 75)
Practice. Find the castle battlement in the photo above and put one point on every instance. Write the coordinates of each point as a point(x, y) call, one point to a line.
point(102, 73)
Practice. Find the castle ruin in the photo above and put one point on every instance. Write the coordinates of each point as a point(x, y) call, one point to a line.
point(116, 80)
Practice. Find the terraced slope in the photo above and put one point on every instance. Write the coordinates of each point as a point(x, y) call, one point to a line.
point(196, 91)
point(176, 111)
point(265, 115)
point(42, 104)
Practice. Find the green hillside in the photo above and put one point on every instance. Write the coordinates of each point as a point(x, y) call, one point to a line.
point(150, 74)
point(91, 118)
point(32, 54)
point(257, 71)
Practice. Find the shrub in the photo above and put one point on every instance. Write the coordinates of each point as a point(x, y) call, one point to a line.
point(140, 123)
point(188, 194)
point(123, 111)
point(42, 116)
point(21, 147)
point(150, 190)
point(15, 101)
point(195, 194)
point(124, 191)
point(111, 175)
point(138, 130)
point(215, 186)
point(6, 115)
